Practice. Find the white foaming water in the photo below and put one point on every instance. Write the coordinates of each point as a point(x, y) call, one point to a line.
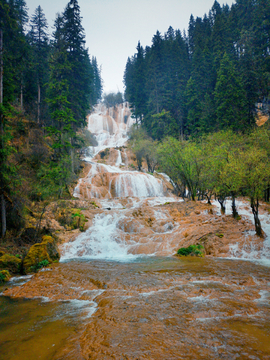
point(110, 126)
point(138, 185)
point(117, 189)
point(119, 159)
point(125, 183)
point(250, 250)
point(103, 240)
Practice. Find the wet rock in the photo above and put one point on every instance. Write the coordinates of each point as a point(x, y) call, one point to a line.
point(46, 250)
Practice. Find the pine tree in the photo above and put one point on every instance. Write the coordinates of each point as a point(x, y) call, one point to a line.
point(81, 75)
point(97, 82)
point(9, 34)
point(39, 41)
point(230, 97)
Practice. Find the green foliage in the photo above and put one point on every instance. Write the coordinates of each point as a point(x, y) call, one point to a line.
point(162, 125)
point(95, 205)
point(208, 80)
point(224, 163)
point(104, 153)
point(72, 219)
point(4, 276)
point(52, 85)
point(10, 263)
point(230, 97)
point(39, 265)
point(113, 99)
point(183, 162)
point(54, 178)
point(192, 250)
point(220, 235)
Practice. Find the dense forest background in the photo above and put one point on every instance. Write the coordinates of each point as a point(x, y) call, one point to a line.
point(197, 99)
point(48, 85)
point(212, 78)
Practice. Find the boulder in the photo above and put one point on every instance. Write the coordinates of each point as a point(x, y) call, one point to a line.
point(46, 250)
point(10, 263)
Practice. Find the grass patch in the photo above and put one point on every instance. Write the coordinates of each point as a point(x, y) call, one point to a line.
point(40, 265)
point(192, 250)
point(220, 235)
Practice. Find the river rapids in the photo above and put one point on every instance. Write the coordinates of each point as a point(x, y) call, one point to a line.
point(118, 291)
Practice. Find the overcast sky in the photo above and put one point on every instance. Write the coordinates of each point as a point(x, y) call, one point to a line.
point(114, 27)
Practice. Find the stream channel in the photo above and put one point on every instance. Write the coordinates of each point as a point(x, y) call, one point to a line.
point(118, 291)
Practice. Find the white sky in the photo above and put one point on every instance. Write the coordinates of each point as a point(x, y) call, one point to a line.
point(114, 27)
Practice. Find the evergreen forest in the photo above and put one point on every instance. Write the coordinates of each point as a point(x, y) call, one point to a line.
point(198, 98)
point(48, 85)
point(213, 77)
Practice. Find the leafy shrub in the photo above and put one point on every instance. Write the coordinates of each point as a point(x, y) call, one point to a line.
point(192, 250)
point(104, 153)
point(72, 219)
point(40, 265)
point(11, 263)
point(220, 235)
point(95, 205)
point(4, 276)
point(41, 254)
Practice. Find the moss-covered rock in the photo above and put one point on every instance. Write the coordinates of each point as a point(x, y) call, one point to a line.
point(4, 276)
point(10, 263)
point(71, 219)
point(46, 251)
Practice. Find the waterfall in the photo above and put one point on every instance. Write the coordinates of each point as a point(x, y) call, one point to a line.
point(104, 240)
point(119, 159)
point(116, 234)
point(138, 185)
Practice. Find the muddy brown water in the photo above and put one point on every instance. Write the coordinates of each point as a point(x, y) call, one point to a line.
point(151, 308)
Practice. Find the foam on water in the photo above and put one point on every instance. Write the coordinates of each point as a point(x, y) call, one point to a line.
point(103, 240)
point(110, 128)
point(249, 251)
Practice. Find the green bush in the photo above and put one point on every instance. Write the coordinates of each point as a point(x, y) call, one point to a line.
point(40, 265)
point(71, 219)
point(220, 235)
point(4, 276)
point(192, 250)
point(95, 205)
point(10, 263)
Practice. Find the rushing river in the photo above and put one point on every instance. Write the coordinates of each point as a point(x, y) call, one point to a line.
point(118, 293)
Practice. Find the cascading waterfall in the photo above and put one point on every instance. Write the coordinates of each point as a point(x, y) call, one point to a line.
point(120, 189)
point(105, 239)
point(119, 159)
point(137, 185)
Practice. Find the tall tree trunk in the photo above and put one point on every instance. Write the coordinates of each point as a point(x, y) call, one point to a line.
point(267, 194)
point(72, 155)
point(254, 204)
point(21, 96)
point(221, 200)
point(234, 209)
point(38, 117)
point(3, 216)
point(208, 196)
point(2, 197)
